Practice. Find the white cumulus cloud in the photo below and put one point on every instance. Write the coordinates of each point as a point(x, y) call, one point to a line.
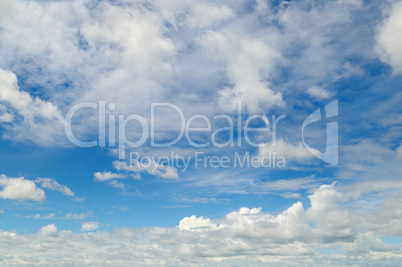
point(20, 189)
point(196, 224)
point(389, 38)
point(319, 93)
point(247, 236)
point(49, 230)
point(27, 106)
point(36, 112)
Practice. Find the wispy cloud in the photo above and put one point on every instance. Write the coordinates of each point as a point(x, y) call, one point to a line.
point(75, 216)
point(52, 184)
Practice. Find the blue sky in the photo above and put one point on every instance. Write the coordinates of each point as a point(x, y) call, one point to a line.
point(223, 67)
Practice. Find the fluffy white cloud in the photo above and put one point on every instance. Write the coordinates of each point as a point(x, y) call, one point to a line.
point(206, 15)
point(247, 236)
point(54, 185)
point(318, 93)
point(91, 51)
point(27, 106)
point(36, 113)
point(389, 38)
point(20, 189)
point(130, 40)
point(200, 54)
point(89, 226)
point(135, 53)
point(196, 224)
point(248, 63)
point(49, 230)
